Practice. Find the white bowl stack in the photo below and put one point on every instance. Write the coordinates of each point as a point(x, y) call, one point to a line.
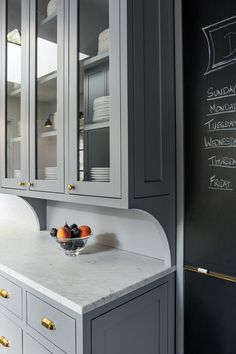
point(50, 173)
point(52, 8)
point(101, 109)
point(103, 41)
point(100, 174)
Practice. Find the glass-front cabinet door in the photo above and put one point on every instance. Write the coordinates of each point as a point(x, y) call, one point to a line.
point(94, 98)
point(14, 92)
point(47, 95)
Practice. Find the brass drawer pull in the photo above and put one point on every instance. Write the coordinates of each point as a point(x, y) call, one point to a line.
point(30, 184)
point(21, 184)
point(50, 325)
point(71, 187)
point(4, 342)
point(4, 294)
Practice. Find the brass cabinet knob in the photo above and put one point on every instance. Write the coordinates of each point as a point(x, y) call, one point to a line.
point(4, 342)
point(71, 187)
point(4, 294)
point(30, 184)
point(21, 184)
point(48, 324)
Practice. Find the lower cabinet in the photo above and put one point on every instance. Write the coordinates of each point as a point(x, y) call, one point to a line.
point(10, 336)
point(141, 322)
point(33, 347)
point(138, 327)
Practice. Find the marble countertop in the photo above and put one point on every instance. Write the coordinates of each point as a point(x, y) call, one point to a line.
point(97, 276)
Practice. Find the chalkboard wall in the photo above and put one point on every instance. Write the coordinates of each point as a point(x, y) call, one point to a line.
point(209, 42)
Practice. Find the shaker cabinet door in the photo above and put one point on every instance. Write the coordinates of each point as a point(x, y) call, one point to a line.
point(10, 336)
point(33, 347)
point(94, 99)
point(137, 327)
point(151, 95)
point(14, 72)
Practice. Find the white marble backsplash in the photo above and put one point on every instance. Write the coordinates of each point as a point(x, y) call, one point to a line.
point(17, 215)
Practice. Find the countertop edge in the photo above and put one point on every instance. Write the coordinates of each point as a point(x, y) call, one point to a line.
point(92, 306)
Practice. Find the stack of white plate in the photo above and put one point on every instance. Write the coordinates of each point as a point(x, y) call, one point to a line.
point(101, 108)
point(50, 173)
point(17, 174)
point(103, 41)
point(100, 174)
point(52, 8)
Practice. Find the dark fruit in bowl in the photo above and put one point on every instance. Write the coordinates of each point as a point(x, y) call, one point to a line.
point(73, 226)
point(66, 245)
point(75, 232)
point(53, 232)
point(67, 226)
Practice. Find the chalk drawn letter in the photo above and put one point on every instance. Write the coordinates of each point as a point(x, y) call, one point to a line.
point(221, 41)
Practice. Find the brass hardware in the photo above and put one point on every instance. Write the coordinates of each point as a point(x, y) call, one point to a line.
point(4, 294)
point(71, 187)
point(50, 325)
point(4, 342)
point(212, 274)
point(30, 184)
point(21, 184)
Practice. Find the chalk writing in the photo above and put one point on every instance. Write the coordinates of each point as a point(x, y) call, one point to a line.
point(214, 125)
point(226, 142)
point(223, 162)
point(221, 109)
point(218, 93)
point(221, 41)
point(220, 184)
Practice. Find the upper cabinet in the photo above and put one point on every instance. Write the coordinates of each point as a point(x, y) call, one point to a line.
point(87, 102)
point(94, 98)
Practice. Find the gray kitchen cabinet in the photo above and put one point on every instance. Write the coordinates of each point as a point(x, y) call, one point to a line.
point(32, 91)
point(10, 336)
point(140, 322)
point(109, 95)
point(33, 347)
point(139, 326)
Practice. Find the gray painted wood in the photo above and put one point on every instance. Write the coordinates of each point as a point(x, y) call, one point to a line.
point(152, 22)
point(137, 327)
point(65, 325)
point(152, 178)
point(40, 208)
point(33, 347)
point(14, 302)
point(180, 180)
point(11, 182)
point(13, 334)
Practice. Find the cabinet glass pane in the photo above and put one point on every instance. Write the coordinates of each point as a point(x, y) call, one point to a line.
point(46, 90)
point(13, 89)
point(94, 96)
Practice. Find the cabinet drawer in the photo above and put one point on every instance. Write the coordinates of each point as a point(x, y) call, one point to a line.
point(63, 333)
point(12, 334)
point(33, 347)
point(11, 296)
